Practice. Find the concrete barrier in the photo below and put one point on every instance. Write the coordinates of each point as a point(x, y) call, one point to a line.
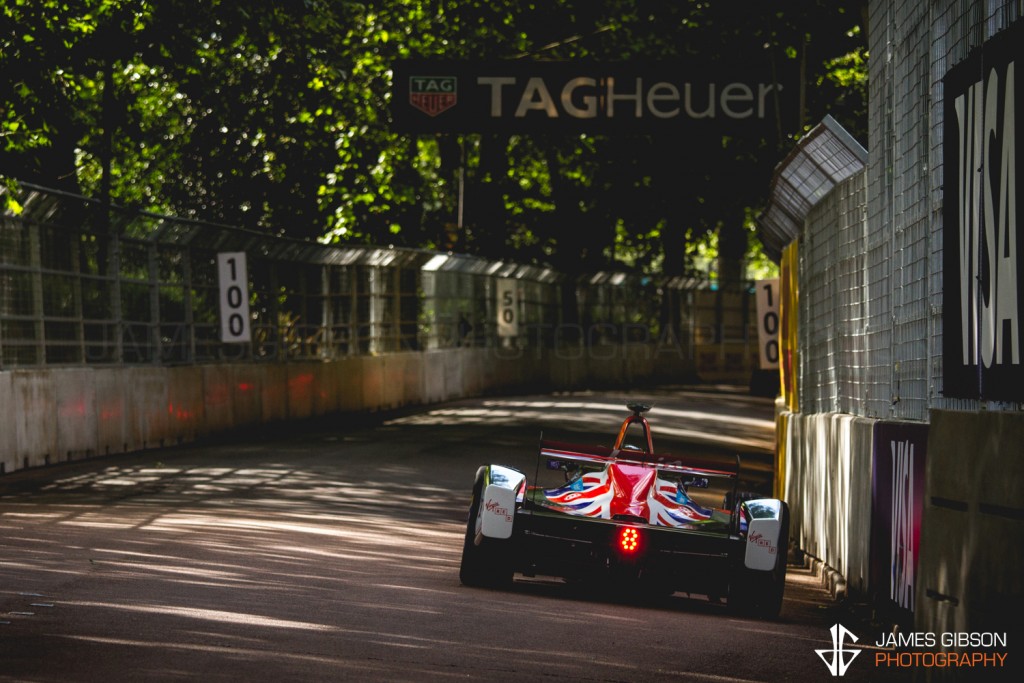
point(827, 485)
point(187, 416)
point(273, 381)
point(219, 393)
point(302, 378)
point(859, 433)
point(966, 574)
point(348, 375)
point(111, 412)
point(972, 531)
point(454, 387)
point(373, 382)
point(147, 407)
point(8, 430)
point(49, 415)
point(35, 441)
point(77, 418)
point(247, 390)
point(434, 372)
point(403, 380)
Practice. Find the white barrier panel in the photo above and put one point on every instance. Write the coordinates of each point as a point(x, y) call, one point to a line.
point(392, 383)
point(247, 388)
point(373, 378)
point(50, 415)
point(76, 413)
point(111, 411)
point(274, 392)
point(218, 398)
point(325, 390)
point(828, 486)
point(349, 374)
point(473, 371)
point(453, 381)
point(147, 407)
point(859, 433)
point(434, 372)
point(411, 378)
point(493, 372)
point(34, 397)
point(562, 371)
point(300, 390)
point(186, 406)
point(7, 420)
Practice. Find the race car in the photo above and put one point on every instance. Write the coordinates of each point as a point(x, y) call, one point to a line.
point(630, 516)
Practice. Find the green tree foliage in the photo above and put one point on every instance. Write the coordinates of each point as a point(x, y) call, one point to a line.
point(273, 115)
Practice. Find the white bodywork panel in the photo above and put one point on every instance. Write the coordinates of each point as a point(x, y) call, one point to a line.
point(498, 502)
point(763, 531)
point(497, 510)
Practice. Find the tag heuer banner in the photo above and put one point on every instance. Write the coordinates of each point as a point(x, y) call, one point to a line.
point(983, 250)
point(579, 97)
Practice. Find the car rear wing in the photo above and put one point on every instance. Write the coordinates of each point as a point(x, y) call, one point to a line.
point(600, 455)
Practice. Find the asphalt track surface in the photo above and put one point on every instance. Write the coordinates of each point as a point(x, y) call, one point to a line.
point(330, 552)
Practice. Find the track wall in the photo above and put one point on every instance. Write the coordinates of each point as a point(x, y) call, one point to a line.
point(56, 415)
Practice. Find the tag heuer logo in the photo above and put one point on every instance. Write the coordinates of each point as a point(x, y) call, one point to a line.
point(433, 94)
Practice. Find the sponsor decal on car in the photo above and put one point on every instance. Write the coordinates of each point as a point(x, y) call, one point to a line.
point(761, 541)
point(496, 508)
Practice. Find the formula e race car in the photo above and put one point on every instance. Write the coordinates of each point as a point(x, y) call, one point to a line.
point(629, 516)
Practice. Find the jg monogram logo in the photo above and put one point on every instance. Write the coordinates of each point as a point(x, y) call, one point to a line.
point(839, 663)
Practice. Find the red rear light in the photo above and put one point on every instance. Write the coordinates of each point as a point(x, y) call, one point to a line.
point(629, 540)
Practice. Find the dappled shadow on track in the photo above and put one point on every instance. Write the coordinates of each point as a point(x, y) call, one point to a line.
point(719, 424)
point(699, 422)
point(227, 558)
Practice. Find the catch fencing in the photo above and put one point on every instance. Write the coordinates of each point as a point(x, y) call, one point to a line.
point(871, 260)
point(83, 284)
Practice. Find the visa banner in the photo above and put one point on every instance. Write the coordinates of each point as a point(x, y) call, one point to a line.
point(983, 250)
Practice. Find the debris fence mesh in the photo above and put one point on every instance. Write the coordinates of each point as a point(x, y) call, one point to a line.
point(85, 284)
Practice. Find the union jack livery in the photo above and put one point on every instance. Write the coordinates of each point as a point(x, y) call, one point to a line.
point(628, 489)
point(627, 513)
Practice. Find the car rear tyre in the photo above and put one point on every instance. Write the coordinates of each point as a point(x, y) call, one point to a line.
point(485, 561)
point(770, 603)
point(759, 593)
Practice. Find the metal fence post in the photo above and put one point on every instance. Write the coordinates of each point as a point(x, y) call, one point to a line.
point(76, 294)
point(38, 309)
point(274, 309)
point(353, 310)
point(395, 302)
point(326, 315)
point(187, 304)
point(153, 270)
point(114, 275)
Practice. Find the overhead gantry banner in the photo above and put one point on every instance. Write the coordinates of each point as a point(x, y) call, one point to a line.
point(583, 97)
